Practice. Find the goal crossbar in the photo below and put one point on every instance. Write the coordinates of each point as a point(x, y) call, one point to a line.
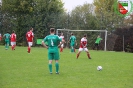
point(88, 30)
point(80, 30)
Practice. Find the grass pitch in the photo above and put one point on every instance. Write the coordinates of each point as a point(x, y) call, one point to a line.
point(18, 69)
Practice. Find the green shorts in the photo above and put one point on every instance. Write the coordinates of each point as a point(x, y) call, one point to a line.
point(53, 56)
point(72, 44)
point(7, 42)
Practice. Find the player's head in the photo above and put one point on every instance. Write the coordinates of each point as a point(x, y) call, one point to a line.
point(71, 34)
point(7, 32)
point(13, 31)
point(98, 36)
point(85, 35)
point(31, 29)
point(52, 30)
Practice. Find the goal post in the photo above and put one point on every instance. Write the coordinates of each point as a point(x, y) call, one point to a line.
point(105, 31)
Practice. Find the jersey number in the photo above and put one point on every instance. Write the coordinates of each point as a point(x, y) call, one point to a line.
point(52, 43)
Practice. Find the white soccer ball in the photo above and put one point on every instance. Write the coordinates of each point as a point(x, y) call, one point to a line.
point(99, 68)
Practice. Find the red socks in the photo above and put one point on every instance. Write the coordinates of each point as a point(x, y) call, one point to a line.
point(61, 49)
point(77, 55)
point(28, 49)
point(89, 56)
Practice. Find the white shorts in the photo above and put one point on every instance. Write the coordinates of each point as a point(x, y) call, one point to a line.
point(83, 49)
point(30, 44)
point(13, 43)
point(62, 45)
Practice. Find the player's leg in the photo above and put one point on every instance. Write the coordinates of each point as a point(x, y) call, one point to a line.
point(12, 45)
point(72, 47)
point(56, 57)
point(94, 46)
point(29, 46)
point(8, 44)
point(97, 46)
point(88, 54)
point(61, 48)
point(50, 56)
point(79, 51)
point(0, 38)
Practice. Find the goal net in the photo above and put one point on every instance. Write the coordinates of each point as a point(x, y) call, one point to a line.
point(91, 37)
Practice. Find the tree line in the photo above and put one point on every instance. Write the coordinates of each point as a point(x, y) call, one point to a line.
point(20, 15)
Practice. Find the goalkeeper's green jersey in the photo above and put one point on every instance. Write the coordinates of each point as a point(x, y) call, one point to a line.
point(53, 41)
point(98, 40)
point(7, 37)
point(72, 39)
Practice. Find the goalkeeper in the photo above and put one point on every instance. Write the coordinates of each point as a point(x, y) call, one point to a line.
point(97, 42)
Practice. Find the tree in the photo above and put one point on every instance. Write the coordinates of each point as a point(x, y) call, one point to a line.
point(23, 14)
point(105, 13)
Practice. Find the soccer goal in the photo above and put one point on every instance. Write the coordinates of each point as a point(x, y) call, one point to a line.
point(91, 36)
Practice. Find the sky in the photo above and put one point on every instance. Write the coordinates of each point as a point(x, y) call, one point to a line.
point(71, 4)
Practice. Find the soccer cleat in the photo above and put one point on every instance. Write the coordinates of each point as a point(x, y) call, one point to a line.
point(57, 73)
point(51, 73)
point(89, 57)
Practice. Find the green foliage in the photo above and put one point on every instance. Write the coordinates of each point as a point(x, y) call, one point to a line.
point(18, 69)
point(82, 18)
point(105, 13)
point(20, 15)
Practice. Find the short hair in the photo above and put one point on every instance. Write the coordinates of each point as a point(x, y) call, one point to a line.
point(31, 28)
point(71, 33)
point(85, 35)
point(13, 31)
point(52, 30)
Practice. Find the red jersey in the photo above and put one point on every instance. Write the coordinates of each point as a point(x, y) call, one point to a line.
point(29, 36)
point(83, 42)
point(13, 37)
point(62, 37)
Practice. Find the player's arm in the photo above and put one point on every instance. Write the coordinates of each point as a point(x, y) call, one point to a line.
point(44, 45)
point(82, 44)
point(15, 36)
point(4, 36)
point(26, 36)
point(85, 45)
point(43, 42)
point(76, 42)
point(61, 43)
point(69, 40)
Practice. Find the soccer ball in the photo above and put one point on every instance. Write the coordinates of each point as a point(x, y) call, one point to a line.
point(99, 68)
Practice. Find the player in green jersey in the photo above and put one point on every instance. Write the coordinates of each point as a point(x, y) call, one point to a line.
point(97, 42)
point(72, 42)
point(7, 40)
point(53, 53)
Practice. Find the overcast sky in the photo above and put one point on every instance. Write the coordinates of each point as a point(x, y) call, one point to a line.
point(71, 4)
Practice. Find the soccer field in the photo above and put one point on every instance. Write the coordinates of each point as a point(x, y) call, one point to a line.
point(18, 69)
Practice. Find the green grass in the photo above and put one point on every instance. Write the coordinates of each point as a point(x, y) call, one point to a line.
point(18, 69)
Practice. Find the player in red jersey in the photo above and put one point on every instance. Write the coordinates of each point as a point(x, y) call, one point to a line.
point(62, 45)
point(13, 40)
point(0, 37)
point(83, 47)
point(29, 37)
